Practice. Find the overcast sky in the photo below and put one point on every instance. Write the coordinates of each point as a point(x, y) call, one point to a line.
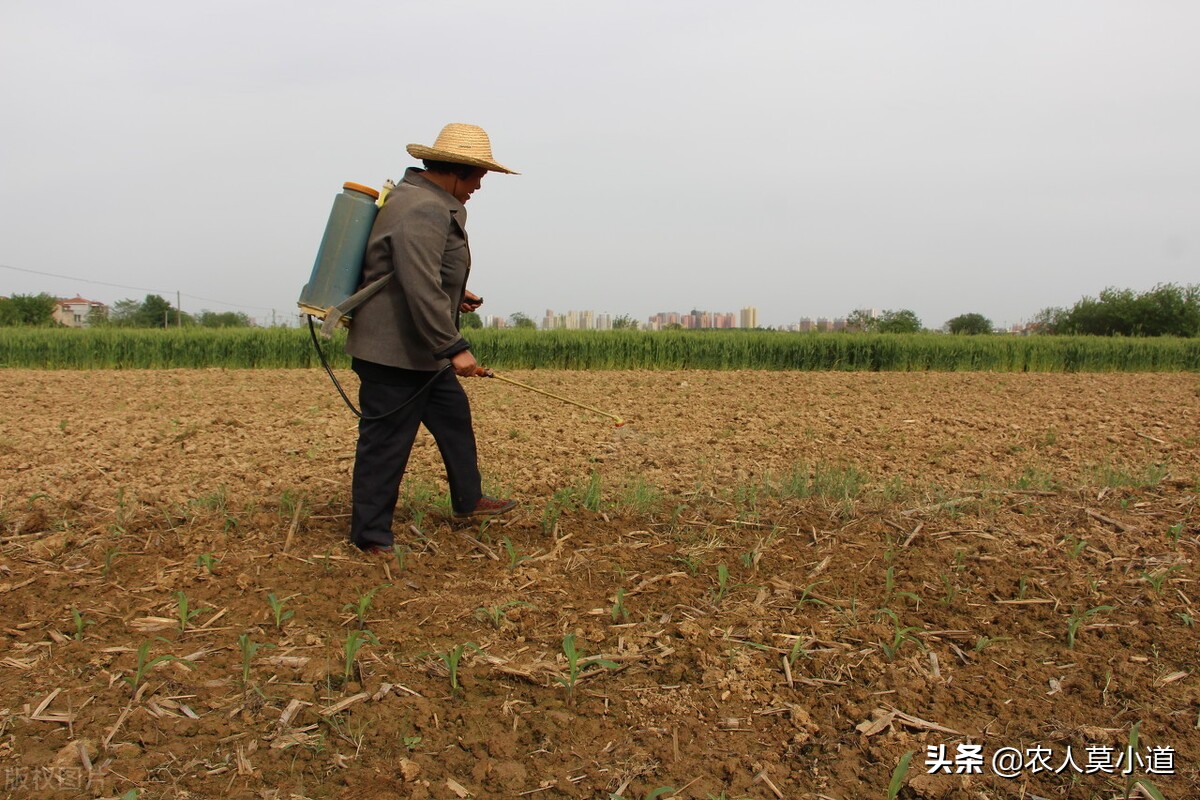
point(806, 158)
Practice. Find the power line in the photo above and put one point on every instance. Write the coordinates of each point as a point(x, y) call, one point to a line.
point(134, 288)
point(83, 280)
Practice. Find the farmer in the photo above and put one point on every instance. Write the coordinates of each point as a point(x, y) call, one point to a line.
point(405, 344)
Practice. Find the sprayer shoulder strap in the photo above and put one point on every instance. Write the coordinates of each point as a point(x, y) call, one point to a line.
point(352, 302)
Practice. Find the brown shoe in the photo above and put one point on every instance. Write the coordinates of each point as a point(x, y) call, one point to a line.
point(487, 507)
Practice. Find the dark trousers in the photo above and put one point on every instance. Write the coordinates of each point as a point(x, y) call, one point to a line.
point(385, 444)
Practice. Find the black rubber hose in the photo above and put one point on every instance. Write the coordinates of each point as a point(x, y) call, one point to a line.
point(312, 332)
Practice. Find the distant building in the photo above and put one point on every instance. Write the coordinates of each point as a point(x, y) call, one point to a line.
point(698, 319)
point(577, 321)
point(78, 312)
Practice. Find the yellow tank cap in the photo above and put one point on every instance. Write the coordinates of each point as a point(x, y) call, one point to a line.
point(358, 187)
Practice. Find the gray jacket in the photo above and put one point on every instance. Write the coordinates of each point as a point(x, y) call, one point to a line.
point(420, 237)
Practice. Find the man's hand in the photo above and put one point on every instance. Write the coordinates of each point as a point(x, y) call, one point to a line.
point(471, 302)
point(464, 364)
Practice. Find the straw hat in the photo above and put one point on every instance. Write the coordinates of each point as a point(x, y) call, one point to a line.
point(459, 143)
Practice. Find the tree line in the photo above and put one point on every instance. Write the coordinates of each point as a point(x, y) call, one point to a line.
point(153, 312)
point(1166, 310)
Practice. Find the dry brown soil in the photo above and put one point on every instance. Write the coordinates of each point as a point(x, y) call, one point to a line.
point(793, 579)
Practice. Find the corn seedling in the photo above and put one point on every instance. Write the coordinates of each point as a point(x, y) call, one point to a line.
point(207, 561)
point(950, 594)
point(562, 499)
point(290, 503)
point(984, 642)
point(806, 596)
point(496, 614)
point(183, 613)
point(618, 609)
point(1187, 619)
point(484, 528)
point(400, 554)
point(355, 639)
point(889, 578)
point(751, 557)
point(1148, 788)
point(110, 555)
point(1157, 579)
point(363, 604)
point(1130, 782)
point(960, 559)
point(889, 584)
point(1076, 621)
point(514, 557)
point(797, 651)
point(575, 666)
point(249, 649)
point(653, 794)
point(145, 664)
point(278, 613)
point(898, 775)
point(81, 622)
point(451, 659)
point(723, 586)
point(1175, 531)
point(900, 635)
point(132, 794)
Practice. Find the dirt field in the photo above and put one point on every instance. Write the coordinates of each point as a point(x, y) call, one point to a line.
point(793, 580)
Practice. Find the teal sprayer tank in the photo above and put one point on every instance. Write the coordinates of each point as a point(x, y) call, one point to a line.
point(338, 268)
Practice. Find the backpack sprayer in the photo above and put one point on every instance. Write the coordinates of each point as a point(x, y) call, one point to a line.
point(333, 291)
